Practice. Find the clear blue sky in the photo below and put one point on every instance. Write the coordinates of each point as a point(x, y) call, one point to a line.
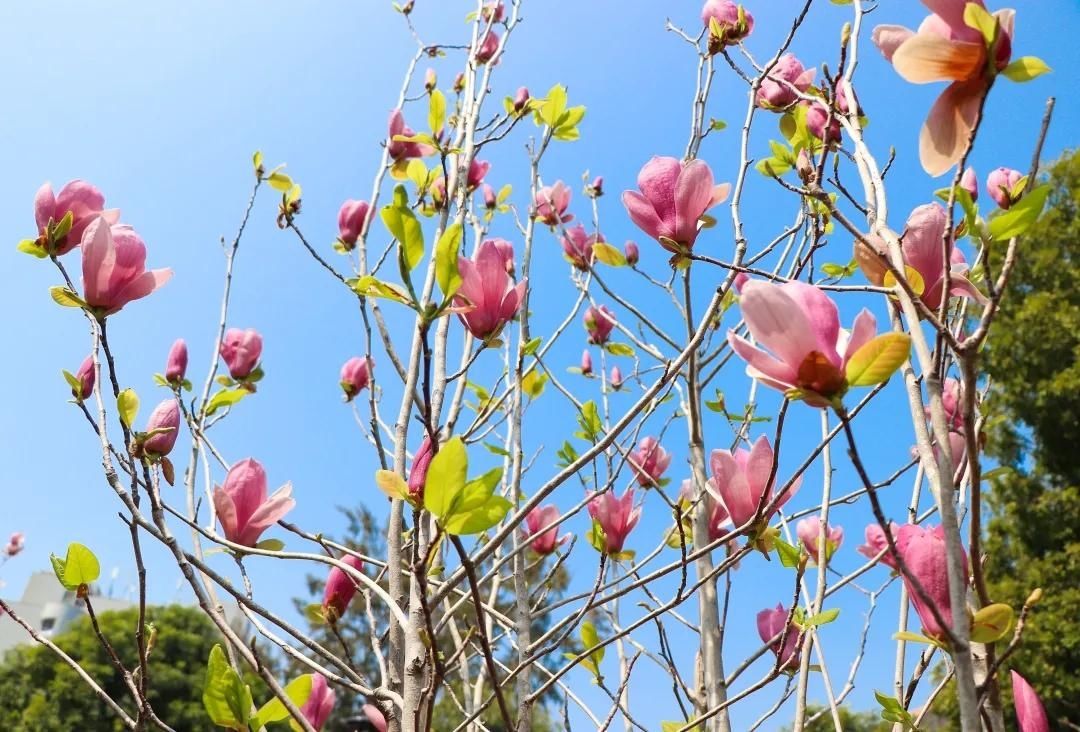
point(162, 107)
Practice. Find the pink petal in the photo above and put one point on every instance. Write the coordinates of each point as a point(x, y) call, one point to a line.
point(758, 469)
point(864, 329)
point(1030, 714)
point(926, 57)
point(657, 181)
point(777, 322)
point(821, 313)
point(950, 11)
point(693, 194)
point(922, 242)
point(143, 285)
point(99, 257)
point(644, 215)
point(272, 509)
point(226, 513)
point(889, 37)
point(945, 134)
point(44, 206)
point(961, 286)
point(762, 362)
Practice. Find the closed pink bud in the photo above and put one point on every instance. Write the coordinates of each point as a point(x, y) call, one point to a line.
point(403, 150)
point(356, 375)
point(1000, 184)
point(241, 349)
point(15, 544)
point(521, 99)
point(418, 473)
point(1030, 714)
point(351, 219)
point(493, 11)
point(809, 532)
point(477, 170)
point(970, 183)
point(82, 200)
point(598, 324)
point(86, 378)
point(543, 540)
point(320, 702)
point(243, 507)
point(114, 267)
point(165, 417)
point(374, 717)
point(649, 462)
point(459, 82)
point(732, 19)
point(430, 80)
point(741, 481)
point(586, 362)
point(923, 552)
point(490, 200)
point(672, 197)
point(488, 298)
point(771, 624)
point(817, 114)
point(340, 588)
point(876, 543)
point(596, 188)
point(781, 88)
point(489, 46)
point(551, 204)
point(616, 379)
point(176, 363)
point(616, 517)
point(578, 246)
point(633, 254)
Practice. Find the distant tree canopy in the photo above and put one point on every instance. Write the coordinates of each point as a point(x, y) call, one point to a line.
point(850, 721)
point(40, 693)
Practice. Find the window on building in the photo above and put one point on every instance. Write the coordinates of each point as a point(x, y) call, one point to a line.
point(48, 623)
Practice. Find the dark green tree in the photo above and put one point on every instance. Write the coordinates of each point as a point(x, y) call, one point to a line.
point(850, 721)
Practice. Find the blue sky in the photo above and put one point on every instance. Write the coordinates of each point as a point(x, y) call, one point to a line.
point(162, 106)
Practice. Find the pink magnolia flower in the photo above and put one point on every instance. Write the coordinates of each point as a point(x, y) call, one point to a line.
point(114, 267)
point(82, 200)
point(15, 544)
point(521, 99)
point(787, 79)
point(596, 188)
point(544, 540)
point(477, 170)
point(491, 201)
point(877, 543)
point(166, 416)
point(945, 48)
point(586, 362)
point(673, 196)
point(578, 246)
point(551, 203)
point(817, 114)
point(176, 362)
point(243, 508)
point(404, 150)
point(374, 716)
point(617, 517)
point(740, 281)
point(970, 183)
point(952, 399)
point(649, 461)
point(921, 243)
point(1030, 714)
point(741, 481)
point(734, 21)
point(418, 474)
point(632, 253)
point(809, 532)
point(719, 520)
point(488, 298)
point(493, 11)
point(923, 552)
point(800, 325)
point(86, 378)
point(616, 379)
point(356, 375)
point(241, 349)
point(350, 220)
point(489, 46)
point(1000, 184)
point(770, 625)
point(599, 321)
point(320, 703)
point(340, 588)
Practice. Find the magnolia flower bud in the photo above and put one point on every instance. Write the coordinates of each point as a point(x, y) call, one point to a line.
point(616, 378)
point(176, 363)
point(970, 183)
point(521, 99)
point(85, 375)
point(633, 254)
point(356, 375)
point(1000, 184)
point(241, 349)
point(430, 80)
point(727, 23)
point(489, 46)
point(596, 188)
point(166, 418)
point(599, 321)
point(340, 589)
point(490, 201)
point(586, 362)
point(459, 83)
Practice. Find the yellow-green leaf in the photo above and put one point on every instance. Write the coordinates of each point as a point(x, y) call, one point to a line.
point(63, 296)
point(977, 17)
point(1026, 68)
point(991, 623)
point(79, 567)
point(914, 280)
point(405, 227)
point(878, 359)
point(446, 477)
point(127, 404)
point(1020, 216)
point(226, 697)
point(436, 112)
point(298, 690)
point(279, 181)
point(608, 254)
point(30, 246)
point(370, 286)
point(225, 398)
point(392, 484)
point(446, 260)
point(533, 383)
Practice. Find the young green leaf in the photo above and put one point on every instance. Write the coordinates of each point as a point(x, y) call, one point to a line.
point(403, 225)
point(446, 477)
point(1020, 216)
point(991, 623)
point(1025, 68)
point(226, 697)
point(225, 398)
point(878, 359)
point(533, 383)
point(446, 260)
point(65, 297)
point(298, 690)
point(436, 112)
point(127, 404)
point(79, 567)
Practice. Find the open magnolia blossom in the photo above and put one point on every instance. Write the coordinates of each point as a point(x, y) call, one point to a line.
point(616, 517)
point(649, 461)
point(771, 623)
point(743, 482)
point(243, 507)
point(810, 534)
point(488, 298)
point(672, 197)
point(543, 540)
point(551, 203)
point(79, 199)
point(114, 267)
point(876, 543)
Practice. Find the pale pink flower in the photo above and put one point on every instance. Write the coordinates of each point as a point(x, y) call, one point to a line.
point(649, 461)
point(320, 703)
point(741, 481)
point(166, 416)
point(616, 379)
point(493, 11)
point(82, 200)
point(241, 349)
point(356, 375)
point(544, 540)
point(787, 79)
point(616, 516)
point(521, 99)
point(586, 362)
point(673, 197)
point(351, 218)
point(375, 717)
point(1030, 714)
point(719, 520)
point(15, 544)
point(551, 203)
point(488, 298)
point(599, 321)
point(770, 624)
point(243, 507)
point(340, 588)
point(809, 532)
point(114, 267)
point(491, 201)
point(970, 183)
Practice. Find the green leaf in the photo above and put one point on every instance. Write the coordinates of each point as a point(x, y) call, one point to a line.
point(479, 519)
point(977, 17)
point(30, 246)
point(822, 618)
point(589, 421)
point(298, 690)
point(991, 623)
point(271, 545)
point(65, 297)
point(1021, 216)
point(279, 181)
point(436, 112)
point(79, 567)
point(72, 381)
point(618, 349)
point(532, 346)
point(533, 383)
point(446, 477)
point(371, 286)
point(127, 404)
point(552, 107)
point(446, 260)
point(405, 227)
point(225, 398)
point(590, 639)
point(914, 279)
point(608, 254)
point(789, 555)
point(496, 450)
point(1026, 68)
point(907, 635)
point(878, 359)
point(717, 124)
point(257, 161)
point(226, 697)
point(1000, 471)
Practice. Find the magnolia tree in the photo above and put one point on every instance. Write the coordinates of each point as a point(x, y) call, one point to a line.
point(447, 406)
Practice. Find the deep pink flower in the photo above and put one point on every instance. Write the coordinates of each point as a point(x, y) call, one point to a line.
point(632, 253)
point(356, 375)
point(241, 349)
point(375, 717)
point(809, 532)
point(86, 378)
point(403, 150)
point(741, 481)
point(114, 267)
point(176, 362)
point(477, 170)
point(340, 588)
point(320, 703)
point(544, 540)
point(945, 48)
point(787, 79)
point(578, 246)
point(521, 99)
point(800, 325)
point(1000, 184)
point(616, 379)
point(770, 625)
point(243, 507)
point(418, 473)
point(350, 220)
point(649, 461)
point(598, 323)
point(551, 204)
point(489, 46)
point(15, 544)
point(970, 183)
point(166, 416)
point(923, 552)
point(85, 203)
point(673, 196)
point(1030, 714)
point(922, 252)
point(488, 298)
point(877, 543)
point(616, 516)
point(586, 362)
point(734, 21)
